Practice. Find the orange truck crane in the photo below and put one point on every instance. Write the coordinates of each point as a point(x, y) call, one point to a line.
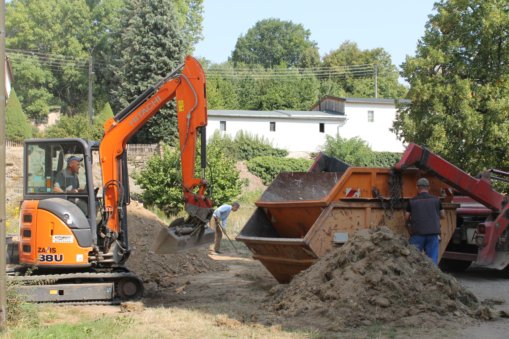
point(73, 242)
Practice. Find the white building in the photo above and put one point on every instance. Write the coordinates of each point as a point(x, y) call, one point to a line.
point(305, 131)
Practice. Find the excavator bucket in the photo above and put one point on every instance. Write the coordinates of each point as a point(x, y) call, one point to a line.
point(181, 236)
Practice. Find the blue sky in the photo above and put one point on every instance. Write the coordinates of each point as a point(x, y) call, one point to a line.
point(395, 25)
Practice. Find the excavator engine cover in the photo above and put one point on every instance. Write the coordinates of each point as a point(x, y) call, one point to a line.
point(180, 236)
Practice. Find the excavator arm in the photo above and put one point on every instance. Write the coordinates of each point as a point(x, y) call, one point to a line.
point(187, 85)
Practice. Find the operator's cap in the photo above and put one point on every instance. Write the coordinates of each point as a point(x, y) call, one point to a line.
point(423, 182)
point(74, 157)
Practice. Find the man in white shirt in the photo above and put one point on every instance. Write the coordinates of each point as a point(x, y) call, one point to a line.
point(220, 217)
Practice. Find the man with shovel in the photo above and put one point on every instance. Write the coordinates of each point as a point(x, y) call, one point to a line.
point(219, 222)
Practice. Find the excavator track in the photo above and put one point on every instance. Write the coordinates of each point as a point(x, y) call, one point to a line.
point(82, 288)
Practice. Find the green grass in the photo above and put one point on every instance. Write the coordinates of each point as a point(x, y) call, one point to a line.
point(99, 328)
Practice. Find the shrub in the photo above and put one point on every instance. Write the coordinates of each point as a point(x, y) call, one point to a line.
point(356, 152)
point(246, 146)
point(267, 167)
point(162, 180)
point(385, 159)
point(249, 147)
point(77, 126)
point(18, 127)
point(225, 183)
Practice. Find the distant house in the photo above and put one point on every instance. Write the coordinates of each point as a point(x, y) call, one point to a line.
point(369, 119)
point(305, 131)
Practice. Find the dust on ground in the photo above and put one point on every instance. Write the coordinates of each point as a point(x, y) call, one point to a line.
point(376, 277)
point(158, 271)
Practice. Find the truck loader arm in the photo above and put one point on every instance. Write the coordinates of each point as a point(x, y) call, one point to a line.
point(478, 189)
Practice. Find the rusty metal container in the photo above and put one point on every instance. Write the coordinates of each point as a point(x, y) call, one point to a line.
point(302, 216)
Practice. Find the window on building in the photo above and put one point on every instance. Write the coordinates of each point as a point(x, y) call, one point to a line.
point(272, 126)
point(222, 126)
point(322, 127)
point(371, 116)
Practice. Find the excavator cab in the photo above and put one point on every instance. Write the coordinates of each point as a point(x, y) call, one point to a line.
point(58, 209)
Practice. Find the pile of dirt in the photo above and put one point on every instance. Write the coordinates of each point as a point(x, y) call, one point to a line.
point(254, 183)
point(160, 270)
point(376, 277)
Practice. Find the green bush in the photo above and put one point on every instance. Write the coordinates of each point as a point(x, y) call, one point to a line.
point(385, 159)
point(356, 152)
point(267, 167)
point(245, 146)
point(77, 126)
point(18, 127)
point(249, 147)
point(224, 179)
point(161, 180)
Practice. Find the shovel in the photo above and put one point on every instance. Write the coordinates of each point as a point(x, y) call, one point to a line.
point(181, 236)
point(224, 231)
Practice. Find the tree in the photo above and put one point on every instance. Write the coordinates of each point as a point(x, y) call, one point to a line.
point(459, 85)
point(55, 32)
point(150, 46)
point(18, 127)
point(357, 80)
point(34, 84)
point(190, 18)
point(257, 88)
point(273, 42)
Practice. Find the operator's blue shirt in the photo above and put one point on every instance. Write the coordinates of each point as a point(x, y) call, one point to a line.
point(222, 213)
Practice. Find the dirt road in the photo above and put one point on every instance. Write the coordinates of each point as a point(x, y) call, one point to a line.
point(233, 303)
point(243, 291)
point(487, 285)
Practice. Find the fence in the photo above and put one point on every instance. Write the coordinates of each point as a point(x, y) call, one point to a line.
point(138, 154)
point(9, 143)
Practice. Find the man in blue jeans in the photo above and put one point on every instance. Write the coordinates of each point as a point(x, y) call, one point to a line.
point(422, 217)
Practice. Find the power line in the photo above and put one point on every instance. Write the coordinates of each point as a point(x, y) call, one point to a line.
point(57, 62)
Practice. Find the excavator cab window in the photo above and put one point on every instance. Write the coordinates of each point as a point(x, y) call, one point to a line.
point(56, 168)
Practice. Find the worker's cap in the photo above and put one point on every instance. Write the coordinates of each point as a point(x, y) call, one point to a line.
point(73, 157)
point(423, 182)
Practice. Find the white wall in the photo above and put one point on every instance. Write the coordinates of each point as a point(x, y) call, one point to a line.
point(292, 135)
point(377, 133)
point(298, 135)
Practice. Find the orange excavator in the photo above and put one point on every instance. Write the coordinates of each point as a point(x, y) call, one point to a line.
point(73, 242)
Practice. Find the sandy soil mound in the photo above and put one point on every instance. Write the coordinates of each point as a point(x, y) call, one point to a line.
point(375, 278)
point(158, 270)
point(254, 183)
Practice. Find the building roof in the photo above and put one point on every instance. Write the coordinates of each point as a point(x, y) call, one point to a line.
point(278, 114)
point(379, 101)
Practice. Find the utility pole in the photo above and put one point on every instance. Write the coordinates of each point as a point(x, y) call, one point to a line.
point(376, 80)
point(3, 97)
point(90, 94)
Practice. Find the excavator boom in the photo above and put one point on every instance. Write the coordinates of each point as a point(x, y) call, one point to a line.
point(187, 85)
